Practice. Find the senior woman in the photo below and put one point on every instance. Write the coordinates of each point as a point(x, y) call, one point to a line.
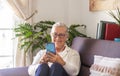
point(66, 61)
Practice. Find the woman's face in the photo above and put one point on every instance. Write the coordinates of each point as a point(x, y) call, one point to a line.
point(59, 36)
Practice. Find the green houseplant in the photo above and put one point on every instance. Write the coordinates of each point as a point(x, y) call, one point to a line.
point(37, 35)
point(116, 16)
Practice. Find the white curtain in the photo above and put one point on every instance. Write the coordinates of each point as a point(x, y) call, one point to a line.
point(23, 9)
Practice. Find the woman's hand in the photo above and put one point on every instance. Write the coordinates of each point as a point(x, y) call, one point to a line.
point(44, 59)
point(55, 58)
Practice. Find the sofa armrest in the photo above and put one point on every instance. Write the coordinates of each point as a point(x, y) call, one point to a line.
point(18, 71)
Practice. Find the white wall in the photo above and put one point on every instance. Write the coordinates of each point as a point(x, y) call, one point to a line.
point(70, 12)
point(55, 10)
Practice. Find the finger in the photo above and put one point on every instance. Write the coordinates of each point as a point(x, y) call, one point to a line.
point(41, 61)
point(51, 55)
point(52, 59)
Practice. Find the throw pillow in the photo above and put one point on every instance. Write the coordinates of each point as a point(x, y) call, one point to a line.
point(105, 66)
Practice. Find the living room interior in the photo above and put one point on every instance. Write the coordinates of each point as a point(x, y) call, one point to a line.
point(66, 11)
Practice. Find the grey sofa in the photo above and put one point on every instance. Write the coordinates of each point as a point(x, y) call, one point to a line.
point(90, 47)
point(86, 47)
point(18, 71)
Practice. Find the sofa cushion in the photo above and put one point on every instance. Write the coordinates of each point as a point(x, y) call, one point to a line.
point(88, 47)
point(84, 71)
point(105, 66)
point(18, 71)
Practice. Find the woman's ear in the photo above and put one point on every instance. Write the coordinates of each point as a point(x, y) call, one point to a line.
point(67, 37)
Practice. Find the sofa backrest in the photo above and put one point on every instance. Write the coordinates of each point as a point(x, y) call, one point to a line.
point(87, 48)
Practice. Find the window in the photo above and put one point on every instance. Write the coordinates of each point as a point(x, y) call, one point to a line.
point(7, 45)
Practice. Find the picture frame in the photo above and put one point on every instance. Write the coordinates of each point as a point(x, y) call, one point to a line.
point(99, 5)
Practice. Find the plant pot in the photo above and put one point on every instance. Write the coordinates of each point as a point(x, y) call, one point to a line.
point(117, 39)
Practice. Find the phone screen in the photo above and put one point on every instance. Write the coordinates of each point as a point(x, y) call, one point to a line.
point(50, 47)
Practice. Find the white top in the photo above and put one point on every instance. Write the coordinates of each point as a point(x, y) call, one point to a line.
point(70, 56)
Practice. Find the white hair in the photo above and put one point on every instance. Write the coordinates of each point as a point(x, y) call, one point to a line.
point(59, 24)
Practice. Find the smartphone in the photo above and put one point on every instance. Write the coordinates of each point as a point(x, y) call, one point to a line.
point(50, 47)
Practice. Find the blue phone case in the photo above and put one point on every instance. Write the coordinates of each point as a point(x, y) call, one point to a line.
point(50, 47)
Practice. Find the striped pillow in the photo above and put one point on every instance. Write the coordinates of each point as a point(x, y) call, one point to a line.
point(105, 66)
